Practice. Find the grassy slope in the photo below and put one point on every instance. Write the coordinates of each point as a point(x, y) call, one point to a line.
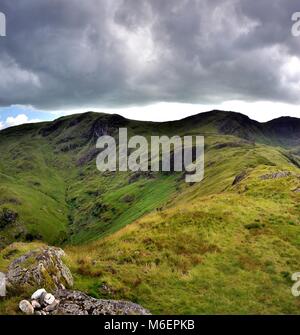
point(59, 199)
point(29, 184)
point(215, 248)
point(213, 252)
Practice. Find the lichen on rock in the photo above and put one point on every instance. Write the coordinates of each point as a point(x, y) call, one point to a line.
point(78, 303)
point(39, 268)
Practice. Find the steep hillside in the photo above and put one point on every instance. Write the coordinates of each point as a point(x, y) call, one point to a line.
point(227, 245)
point(51, 190)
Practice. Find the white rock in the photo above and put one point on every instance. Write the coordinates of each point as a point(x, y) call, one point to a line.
point(49, 299)
point(43, 313)
point(35, 304)
point(26, 307)
point(2, 285)
point(37, 294)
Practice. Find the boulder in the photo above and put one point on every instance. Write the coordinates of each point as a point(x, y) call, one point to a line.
point(78, 303)
point(26, 307)
point(49, 299)
point(37, 294)
point(39, 268)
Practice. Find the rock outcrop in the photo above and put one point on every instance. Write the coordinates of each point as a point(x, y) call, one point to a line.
point(78, 303)
point(44, 268)
point(240, 177)
point(40, 268)
point(7, 217)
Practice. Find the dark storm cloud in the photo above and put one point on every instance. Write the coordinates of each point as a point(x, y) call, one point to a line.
point(74, 53)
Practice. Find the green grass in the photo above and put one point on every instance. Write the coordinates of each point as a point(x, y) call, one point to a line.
point(146, 195)
point(226, 253)
point(56, 198)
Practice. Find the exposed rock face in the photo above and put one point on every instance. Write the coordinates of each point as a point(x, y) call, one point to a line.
point(78, 303)
point(40, 268)
point(240, 177)
point(106, 125)
point(7, 217)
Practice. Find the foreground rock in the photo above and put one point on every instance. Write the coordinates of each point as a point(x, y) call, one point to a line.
point(26, 307)
point(44, 268)
point(40, 268)
point(42, 303)
point(37, 295)
point(78, 303)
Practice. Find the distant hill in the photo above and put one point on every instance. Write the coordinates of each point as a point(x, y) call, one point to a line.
point(49, 176)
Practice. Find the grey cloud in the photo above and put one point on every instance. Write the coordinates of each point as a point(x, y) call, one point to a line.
point(71, 53)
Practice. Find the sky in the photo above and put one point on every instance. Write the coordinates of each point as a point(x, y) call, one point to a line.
point(148, 59)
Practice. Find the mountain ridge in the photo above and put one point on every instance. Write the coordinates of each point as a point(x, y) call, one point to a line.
point(196, 117)
point(55, 162)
